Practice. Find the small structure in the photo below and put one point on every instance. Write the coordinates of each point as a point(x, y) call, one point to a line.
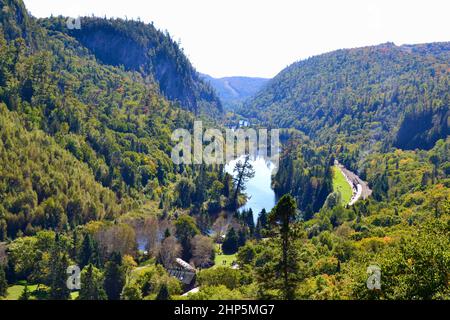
point(185, 265)
point(195, 290)
point(185, 273)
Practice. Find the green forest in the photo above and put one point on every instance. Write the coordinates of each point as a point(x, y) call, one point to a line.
point(87, 179)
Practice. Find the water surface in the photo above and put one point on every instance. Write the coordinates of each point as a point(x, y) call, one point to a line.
point(259, 188)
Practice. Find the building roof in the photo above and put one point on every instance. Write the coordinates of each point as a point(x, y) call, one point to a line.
point(184, 276)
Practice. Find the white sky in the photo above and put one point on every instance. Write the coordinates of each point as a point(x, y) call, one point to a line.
point(261, 37)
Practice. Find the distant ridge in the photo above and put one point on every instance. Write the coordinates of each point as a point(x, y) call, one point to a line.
point(233, 91)
point(396, 95)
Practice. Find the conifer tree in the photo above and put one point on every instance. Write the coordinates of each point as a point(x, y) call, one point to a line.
point(281, 217)
point(92, 284)
point(230, 244)
point(114, 277)
point(87, 251)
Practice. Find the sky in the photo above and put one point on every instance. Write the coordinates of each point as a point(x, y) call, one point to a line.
point(261, 37)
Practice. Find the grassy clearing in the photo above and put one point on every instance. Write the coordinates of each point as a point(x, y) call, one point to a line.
point(14, 292)
point(223, 259)
point(341, 185)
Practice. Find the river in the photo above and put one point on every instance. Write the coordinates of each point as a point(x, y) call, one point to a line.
point(259, 189)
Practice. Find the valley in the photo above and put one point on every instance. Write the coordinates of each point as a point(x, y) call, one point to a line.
point(93, 121)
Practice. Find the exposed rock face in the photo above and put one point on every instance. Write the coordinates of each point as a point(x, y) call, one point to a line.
point(141, 47)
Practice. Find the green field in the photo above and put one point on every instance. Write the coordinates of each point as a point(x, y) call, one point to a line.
point(220, 258)
point(341, 185)
point(14, 292)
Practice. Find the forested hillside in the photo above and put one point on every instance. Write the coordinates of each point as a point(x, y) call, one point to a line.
point(114, 124)
point(382, 111)
point(397, 96)
point(305, 172)
point(86, 176)
point(141, 47)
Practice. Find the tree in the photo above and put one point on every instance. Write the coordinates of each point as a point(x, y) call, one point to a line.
point(249, 220)
point(333, 200)
point(58, 271)
point(87, 251)
point(114, 277)
point(220, 275)
point(418, 267)
point(216, 191)
point(261, 224)
point(131, 292)
point(26, 294)
point(163, 293)
point(3, 282)
point(185, 189)
point(243, 173)
point(92, 284)
point(230, 244)
point(23, 257)
point(116, 238)
point(170, 250)
point(152, 234)
point(281, 217)
point(242, 238)
point(220, 292)
point(202, 251)
point(186, 229)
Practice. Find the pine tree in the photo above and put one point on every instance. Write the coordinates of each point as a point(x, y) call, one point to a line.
point(58, 272)
point(242, 238)
point(250, 221)
point(281, 217)
point(58, 277)
point(92, 284)
point(230, 244)
point(87, 251)
point(114, 277)
point(244, 172)
point(261, 224)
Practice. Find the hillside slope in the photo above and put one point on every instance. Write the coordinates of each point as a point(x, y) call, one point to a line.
point(141, 47)
point(73, 127)
point(395, 95)
point(106, 128)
